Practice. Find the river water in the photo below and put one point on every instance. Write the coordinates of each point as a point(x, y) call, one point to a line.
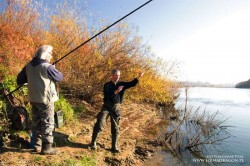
point(232, 104)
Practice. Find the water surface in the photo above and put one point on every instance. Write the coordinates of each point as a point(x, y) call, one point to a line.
point(231, 103)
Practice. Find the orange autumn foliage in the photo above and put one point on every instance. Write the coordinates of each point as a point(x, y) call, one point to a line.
point(88, 68)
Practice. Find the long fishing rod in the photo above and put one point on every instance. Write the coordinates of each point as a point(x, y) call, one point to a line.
point(101, 31)
point(90, 39)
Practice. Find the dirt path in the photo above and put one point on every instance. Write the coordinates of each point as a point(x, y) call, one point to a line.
point(137, 135)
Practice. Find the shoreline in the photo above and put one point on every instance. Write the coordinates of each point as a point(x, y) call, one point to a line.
point(137, 141)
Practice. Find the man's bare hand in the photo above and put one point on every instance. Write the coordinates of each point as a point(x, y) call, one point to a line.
point(120, 88)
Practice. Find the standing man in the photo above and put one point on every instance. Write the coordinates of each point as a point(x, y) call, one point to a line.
point(41, 77)
point(113, 96)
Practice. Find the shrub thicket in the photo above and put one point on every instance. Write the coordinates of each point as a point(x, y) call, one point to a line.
point(23, 28)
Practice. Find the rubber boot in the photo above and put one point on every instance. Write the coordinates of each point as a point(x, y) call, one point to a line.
point(115, 148)
point(48, 150)
point(36, 144)
point(37, 149)
point(93, 145)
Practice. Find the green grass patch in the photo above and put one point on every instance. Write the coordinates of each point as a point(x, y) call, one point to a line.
point(67, 109)
point(85, 161)
point(37, 158)
point(88, 161)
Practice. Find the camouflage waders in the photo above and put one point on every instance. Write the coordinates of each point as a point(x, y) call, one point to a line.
point(42, 123)
point(112, 110)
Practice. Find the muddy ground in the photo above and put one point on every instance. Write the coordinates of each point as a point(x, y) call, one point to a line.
point(138, 141)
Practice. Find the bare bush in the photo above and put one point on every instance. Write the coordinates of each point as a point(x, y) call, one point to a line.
point(194, 131)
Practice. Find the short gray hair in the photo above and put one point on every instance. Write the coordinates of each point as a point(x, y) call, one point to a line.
point(114, 71)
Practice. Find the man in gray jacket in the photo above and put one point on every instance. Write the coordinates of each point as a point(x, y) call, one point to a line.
point(41, 77)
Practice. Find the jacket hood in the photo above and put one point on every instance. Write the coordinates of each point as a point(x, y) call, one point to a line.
point(43, 52)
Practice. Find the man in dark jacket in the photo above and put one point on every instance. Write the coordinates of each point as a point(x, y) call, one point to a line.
point(113, 97)
point(41, 77)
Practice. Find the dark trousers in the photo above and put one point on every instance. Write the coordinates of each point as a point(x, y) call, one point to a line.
point(42, 122)
point(112, 111)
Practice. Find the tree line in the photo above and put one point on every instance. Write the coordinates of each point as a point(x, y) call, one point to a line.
point(24, 26)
